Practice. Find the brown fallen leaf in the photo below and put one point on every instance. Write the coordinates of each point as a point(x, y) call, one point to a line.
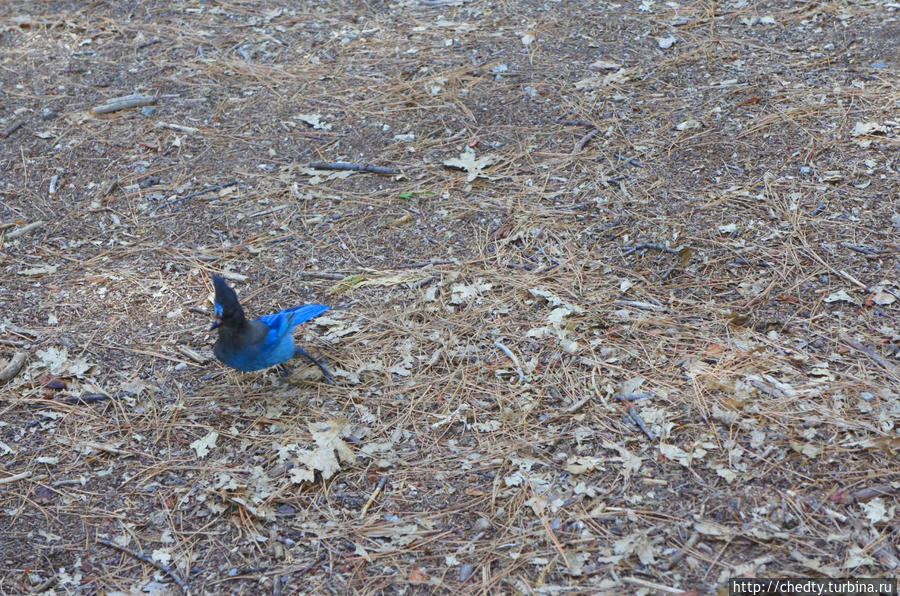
point(52, 382)
point(417, 576)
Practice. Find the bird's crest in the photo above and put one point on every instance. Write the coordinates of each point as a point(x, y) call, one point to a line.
point(226, 304)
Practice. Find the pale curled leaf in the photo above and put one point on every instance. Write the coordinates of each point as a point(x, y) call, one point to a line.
point(842, 296)
point(665, 42)
point(314, 120)
point(331, 450)
point(631, 463)
point(868, 128)
point(583, 463)
point(205, 444)
point(877, 511)
point(468, 162)
point(597, 81)
point(688, 125)
point(39, 270)
point(604, 65)
point(59, 362)
point(680, 455)
point(461, 293)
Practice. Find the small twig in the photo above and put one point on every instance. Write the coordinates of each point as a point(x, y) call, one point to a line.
point(682, 552)
point(19, 330)
point(576, 123)
point(206, 190)
point(236, 572)
point(423, 282)
point(15, 477)
point(373, 496)
point(628, 160)
point(149, 43)
point(14, 366)
point(149, 561)
point(512, 357)
point(105, 448)
point(321, 275)
point(425, 264)
point(648, 246)
point(640, 305)
point(869, 252)
point(115, 104)
point(22, 230)
point(177, 127)
point(12, 128)
point(870, 492)
point(192, 354)
point(352, 167)
point(578, 404)
point(90, 398)
point(632, 412)
point(582, 143)
point(268, 211)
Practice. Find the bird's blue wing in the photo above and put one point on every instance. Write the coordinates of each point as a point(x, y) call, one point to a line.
point(283, 322)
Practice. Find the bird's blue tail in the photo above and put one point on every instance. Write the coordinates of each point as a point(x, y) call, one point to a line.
point(293, 316)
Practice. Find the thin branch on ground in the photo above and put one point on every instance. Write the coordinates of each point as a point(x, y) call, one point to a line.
point(149, 561)
point(352, 167)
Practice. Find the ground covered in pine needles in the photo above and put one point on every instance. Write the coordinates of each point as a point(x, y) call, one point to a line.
point(613, 285)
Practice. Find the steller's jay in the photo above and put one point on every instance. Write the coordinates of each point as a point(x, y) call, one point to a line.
point(267, 341)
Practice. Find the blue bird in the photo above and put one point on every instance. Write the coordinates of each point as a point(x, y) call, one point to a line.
point(267, 341)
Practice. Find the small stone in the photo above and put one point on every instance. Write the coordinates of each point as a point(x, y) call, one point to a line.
point(465, 571)
point(482, 524)
point(148, 110)
point(285, 509)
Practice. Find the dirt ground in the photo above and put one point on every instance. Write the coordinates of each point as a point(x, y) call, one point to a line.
point(622, 320)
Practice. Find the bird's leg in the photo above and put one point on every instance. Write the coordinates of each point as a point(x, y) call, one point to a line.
point(329, 378)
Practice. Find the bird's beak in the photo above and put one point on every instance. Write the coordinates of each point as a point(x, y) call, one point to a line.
point(216, 323)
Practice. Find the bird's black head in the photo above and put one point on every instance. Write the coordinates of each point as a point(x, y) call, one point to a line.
point(228, 309)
